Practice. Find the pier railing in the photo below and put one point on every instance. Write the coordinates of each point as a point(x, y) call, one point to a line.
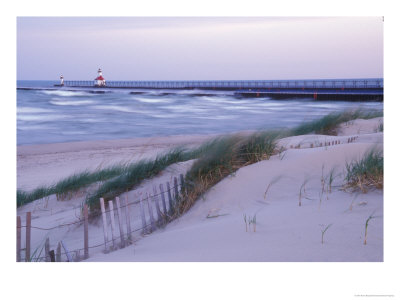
point(238, 84)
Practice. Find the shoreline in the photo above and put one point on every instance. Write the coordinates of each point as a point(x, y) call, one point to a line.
point(48, 148)
point(45, 164)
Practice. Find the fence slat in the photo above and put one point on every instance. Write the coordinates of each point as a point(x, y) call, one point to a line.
point(171, 204)
point(143, 216)
point(128, 218)
point(176, 192)
point(58, 254)
point(47, 250)
point(182, 182)
point(121, 229)
point(18, 238)
point(156, 200)
point(52, 256)
point(28, 236)
point(149, 206)
point(112, 217)
point(105, 230)
point(66, 252)
point(183, 186)
point(77, 255)
point(86, 232)
point(163, 199)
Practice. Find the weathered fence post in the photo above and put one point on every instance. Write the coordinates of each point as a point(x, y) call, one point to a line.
point(52, 256)
point(182, 180)
point(66, 252)
point(144, 225)
point(77, 255)
point(58, 254)
point(103, 212)
point(176, 196)
point(112, 217)
point(153, 226)
point(121, 229)
point(155, 197)
point(176, 191)
point(18, 238)
point(171, 204)
point(128, 219)
point(28, 236)
point(86, 232)
point(163, 200)
point(47, 250)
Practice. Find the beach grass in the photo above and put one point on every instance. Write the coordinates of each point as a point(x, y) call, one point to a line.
point(366, 172)
point(134, 174)
point(328, 124)
point(224, 156)
point(66, 188)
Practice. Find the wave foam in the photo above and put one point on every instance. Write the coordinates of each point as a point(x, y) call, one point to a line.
point(31, 110)
point(66, 93)
point(72, 102)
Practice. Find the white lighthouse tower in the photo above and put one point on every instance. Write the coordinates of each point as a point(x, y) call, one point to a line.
point(100, 81)
point(62, 80)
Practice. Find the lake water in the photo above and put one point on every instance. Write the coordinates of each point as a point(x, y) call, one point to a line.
point(49, 115)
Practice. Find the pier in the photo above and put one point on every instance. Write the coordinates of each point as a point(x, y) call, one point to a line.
point(365, 89)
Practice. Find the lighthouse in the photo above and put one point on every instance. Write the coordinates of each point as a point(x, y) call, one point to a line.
point(62, 80)
point(99, 81)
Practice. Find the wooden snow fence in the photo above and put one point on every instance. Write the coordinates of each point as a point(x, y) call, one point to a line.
point(156, 208)
point(45, 253)
point(155, 212)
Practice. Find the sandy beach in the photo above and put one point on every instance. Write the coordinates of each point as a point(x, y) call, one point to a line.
point(46, 164)
point(214, 228)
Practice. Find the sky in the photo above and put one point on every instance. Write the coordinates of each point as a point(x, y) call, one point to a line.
point(199, 48)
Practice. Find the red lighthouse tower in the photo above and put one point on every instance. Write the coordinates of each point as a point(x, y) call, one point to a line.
point(99, 81)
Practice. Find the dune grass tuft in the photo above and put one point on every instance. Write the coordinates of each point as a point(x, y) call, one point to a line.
point(134, 174)
point(224, 156)
point(26, 197)
point(65, 189)
point(328, 124)
point(365, 173)
point(68, 187)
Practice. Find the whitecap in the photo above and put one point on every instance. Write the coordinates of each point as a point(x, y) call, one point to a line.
point(215, 117)
point(186, 109)
point(147, 100)
point(122, 109)
point(32, 127)
point(72, 102)
point(66, 93)
point(30, 110)
point(28, 117)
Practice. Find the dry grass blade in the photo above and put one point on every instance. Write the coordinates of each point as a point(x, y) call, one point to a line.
point(366, 227)
point(323, 231)
point(272, 182)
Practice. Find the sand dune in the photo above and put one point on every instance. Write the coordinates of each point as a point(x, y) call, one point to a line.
point(214, 228)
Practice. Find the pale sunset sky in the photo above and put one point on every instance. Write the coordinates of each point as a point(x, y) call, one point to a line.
point(199, 48)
